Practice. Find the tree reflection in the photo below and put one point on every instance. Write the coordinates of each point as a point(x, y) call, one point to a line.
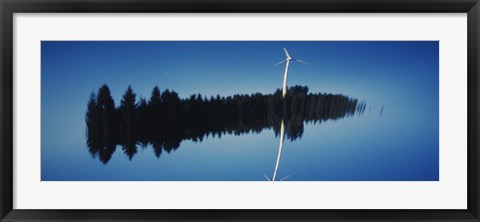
point(165, 120)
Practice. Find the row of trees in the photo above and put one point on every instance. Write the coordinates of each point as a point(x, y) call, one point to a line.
point(165, 120)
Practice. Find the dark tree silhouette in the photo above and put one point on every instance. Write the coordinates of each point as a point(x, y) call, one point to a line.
point(166, 120)
point(155, 98)
point(128, 117)
point(101, 120)
point(94, 129)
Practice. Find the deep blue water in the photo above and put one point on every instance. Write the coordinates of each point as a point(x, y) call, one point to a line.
point(400, 143)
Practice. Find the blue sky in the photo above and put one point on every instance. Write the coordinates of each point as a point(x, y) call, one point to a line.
point(401, 73)
point(235, 67)
point(402, 76)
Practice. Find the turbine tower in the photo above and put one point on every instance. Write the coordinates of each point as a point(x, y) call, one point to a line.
point(280, 147)
point(287, 60)
point(282, 134)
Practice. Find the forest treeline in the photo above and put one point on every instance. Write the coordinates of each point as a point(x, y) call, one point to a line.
point(165, 120)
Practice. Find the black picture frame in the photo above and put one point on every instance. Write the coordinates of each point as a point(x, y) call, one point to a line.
point(9, 7)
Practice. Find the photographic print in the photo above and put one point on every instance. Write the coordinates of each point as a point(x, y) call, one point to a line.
point(267, 111)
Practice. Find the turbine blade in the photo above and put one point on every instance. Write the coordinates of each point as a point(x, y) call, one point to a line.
point(267, 177)
point(280, 62)
point(300, 61)
point(286, 53)
point(286, 177)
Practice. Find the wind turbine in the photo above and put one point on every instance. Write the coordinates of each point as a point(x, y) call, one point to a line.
point(280, 147)
point(287, 60)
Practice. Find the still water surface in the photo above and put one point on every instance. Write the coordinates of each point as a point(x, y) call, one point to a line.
point(357, 148)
